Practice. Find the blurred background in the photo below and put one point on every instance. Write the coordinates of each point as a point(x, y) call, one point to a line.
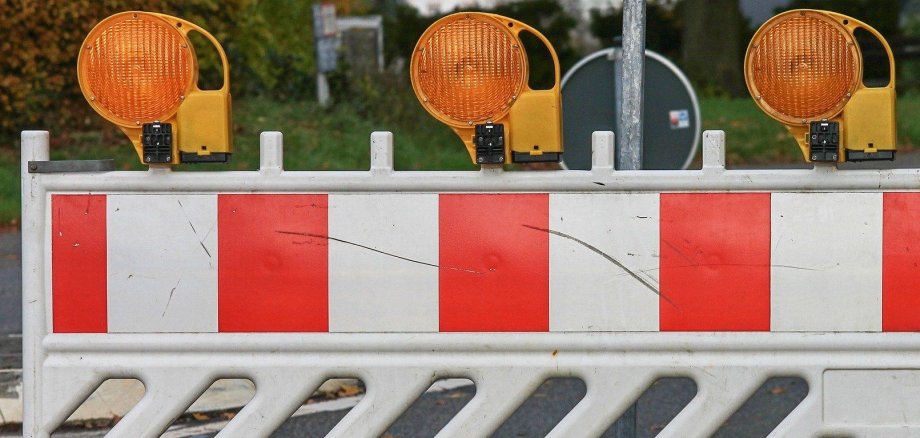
point(270, 45)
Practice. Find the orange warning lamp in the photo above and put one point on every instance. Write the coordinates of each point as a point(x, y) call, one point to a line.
point(139, 71)
point(470, 71)
point(804, 68)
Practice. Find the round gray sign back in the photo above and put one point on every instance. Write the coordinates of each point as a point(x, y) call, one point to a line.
point(671, 128)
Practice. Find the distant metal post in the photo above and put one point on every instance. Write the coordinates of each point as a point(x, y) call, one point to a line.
point(322, 89)
point(629, 155)
point(325, 33)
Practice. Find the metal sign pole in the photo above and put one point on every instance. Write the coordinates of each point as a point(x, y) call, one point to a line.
point(629, 155)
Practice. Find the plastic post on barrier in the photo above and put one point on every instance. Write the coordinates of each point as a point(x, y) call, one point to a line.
point(381, 152)
point(271, 152)
point(602, 152)
point(714, 151)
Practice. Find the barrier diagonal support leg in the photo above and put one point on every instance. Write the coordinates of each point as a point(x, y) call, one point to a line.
point(609, 395)
point(719, 394)
point(498, 394)
point(389, 392)
point(278, 395)
point(169, 393)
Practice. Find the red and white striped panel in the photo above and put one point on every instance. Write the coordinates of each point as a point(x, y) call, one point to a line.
point(401, 262)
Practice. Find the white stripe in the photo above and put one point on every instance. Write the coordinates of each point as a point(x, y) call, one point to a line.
point(587, 292)
point(370, 291)
point(162, 263)
point(826, 270)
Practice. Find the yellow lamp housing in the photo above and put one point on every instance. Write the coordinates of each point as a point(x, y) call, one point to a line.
point(804, 68)
point(139, 71)
point(469, 70)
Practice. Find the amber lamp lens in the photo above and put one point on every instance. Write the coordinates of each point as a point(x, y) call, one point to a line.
point(136, 68)
point(802, 66)
point(469, 70)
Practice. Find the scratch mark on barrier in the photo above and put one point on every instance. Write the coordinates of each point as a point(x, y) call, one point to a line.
point(181, 207)
point(171, 292)
point(600, 183)
point(205, 249)
point(308, 242)
point(311, 205)
point(741, 265)
point(195, 232)
point(778, 241)
point(88, 200)
point(679, 252)
point(210, 231)
point(321, 236)
point(608, 257)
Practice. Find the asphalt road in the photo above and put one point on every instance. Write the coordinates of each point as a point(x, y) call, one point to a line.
point(10, 283)
point(546, 407)
point(549, 404)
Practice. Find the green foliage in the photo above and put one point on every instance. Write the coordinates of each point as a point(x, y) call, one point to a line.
point(548, 17)
point(883, 15)
point(336, 138)
point(403, 25)
point(268, 43)
point(663, 33)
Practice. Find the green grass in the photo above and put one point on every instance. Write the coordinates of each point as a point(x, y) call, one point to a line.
point(750, 136)
point(338, 138)
point(753, 138)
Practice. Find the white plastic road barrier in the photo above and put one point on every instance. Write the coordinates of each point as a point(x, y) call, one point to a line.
point(400, 279)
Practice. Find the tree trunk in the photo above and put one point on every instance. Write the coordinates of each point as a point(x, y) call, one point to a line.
point(712, 46)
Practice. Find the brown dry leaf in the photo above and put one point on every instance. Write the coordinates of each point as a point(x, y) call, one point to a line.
point(457, 394)
point(349, 390)
point(228, 415)
point(198, 416)
point(777, 390)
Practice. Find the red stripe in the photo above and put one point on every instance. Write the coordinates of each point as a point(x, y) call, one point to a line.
point(715, 262)
point(901, 262)
point(78, 264)
point(494, 268)
point(273, 263)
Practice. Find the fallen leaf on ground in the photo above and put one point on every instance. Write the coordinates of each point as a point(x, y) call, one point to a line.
point(349, 390)
point(777, 390)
